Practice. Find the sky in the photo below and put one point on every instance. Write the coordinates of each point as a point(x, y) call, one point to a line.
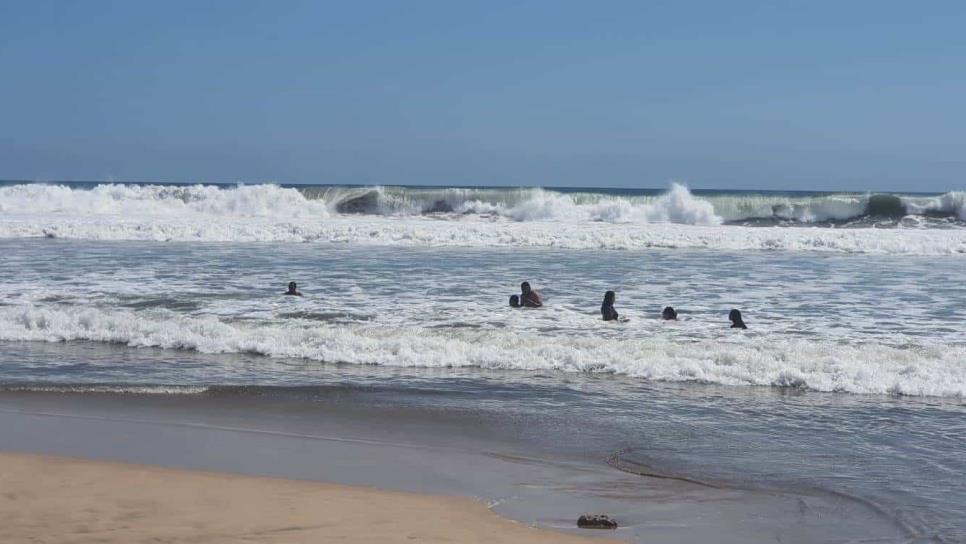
point(856, 95)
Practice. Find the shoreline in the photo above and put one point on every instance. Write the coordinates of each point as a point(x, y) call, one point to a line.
point(370, 439)
point(80, 500)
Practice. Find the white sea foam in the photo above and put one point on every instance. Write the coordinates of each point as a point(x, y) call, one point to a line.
point(953, 202)
point(115, 389)
point(468, 217)
point(159, 201)
point(475, 232)
point(929, 370)
point(677, 205)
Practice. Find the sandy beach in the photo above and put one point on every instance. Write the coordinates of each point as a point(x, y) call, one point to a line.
point(57, 499)
point(357, 465)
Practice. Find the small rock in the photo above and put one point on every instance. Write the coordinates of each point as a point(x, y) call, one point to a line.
point(595, 521)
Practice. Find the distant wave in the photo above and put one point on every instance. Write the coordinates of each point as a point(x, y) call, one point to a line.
point(476, 232)
point(676, 205)
point(159, 201)
point(677, 218)
point(928, 370)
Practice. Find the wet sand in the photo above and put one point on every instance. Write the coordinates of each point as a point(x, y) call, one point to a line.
point(369, 440)
point(57, 499)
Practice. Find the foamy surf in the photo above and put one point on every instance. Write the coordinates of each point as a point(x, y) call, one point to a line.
point(816, 364)
point(105, 388)
point(675, 205)
point(476, 232)
point(481, 218)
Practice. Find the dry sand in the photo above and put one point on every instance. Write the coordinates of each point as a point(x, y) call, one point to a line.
point(47, 499)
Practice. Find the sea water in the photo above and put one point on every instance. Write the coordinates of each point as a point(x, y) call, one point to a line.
point(849, 380)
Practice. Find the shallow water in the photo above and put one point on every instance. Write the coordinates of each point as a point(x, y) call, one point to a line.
point(849, 381)
point(824, 322)
point(744, 464)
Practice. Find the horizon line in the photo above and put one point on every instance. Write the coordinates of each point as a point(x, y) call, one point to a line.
point(294, 184)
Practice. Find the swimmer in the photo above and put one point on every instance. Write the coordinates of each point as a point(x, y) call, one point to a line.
point(293, 289)
point(529, 297)
point(607, 310)
point(668, 314)
point(736, 322)
point(514, 301)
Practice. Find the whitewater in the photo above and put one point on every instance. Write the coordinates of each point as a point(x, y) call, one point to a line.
point(868, 324)
point(844, 395)
point(917, 370)
point(485, 217)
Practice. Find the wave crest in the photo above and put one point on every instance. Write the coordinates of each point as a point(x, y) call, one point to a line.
point(929, 370)
point(482, 217)
point(676, 205)
point(159, 201)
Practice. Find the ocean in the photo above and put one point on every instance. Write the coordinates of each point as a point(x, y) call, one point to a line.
point(844, 395)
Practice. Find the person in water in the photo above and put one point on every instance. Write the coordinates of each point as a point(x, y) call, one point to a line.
point(514, 301)
point(529, 298)
point(293, 289)
point(668, 314)
point(736, 321)
point(607, 310)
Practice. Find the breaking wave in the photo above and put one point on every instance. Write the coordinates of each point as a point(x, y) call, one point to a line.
point(488, 217)
point(921, 370)
point(676, 205)
point(159, 201)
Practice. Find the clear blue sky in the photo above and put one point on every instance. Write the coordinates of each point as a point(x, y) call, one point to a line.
point(772, 95)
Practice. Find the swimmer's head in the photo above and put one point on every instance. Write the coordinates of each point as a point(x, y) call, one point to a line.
point(292, 287)
point(515, 301)
point(609, 297)
point(736, 322)
point(669, 314)
point(525, 287)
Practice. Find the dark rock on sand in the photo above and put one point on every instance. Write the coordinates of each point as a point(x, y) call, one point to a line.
point(596, 521)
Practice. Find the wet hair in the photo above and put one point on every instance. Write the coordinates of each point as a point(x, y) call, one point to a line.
point(736, 322)
point(515, 301)
point(609, 297)
point(292, 286)
point(669, 313)
point(525, 286)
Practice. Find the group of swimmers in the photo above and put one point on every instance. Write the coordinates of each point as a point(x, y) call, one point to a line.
point(529, 298)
